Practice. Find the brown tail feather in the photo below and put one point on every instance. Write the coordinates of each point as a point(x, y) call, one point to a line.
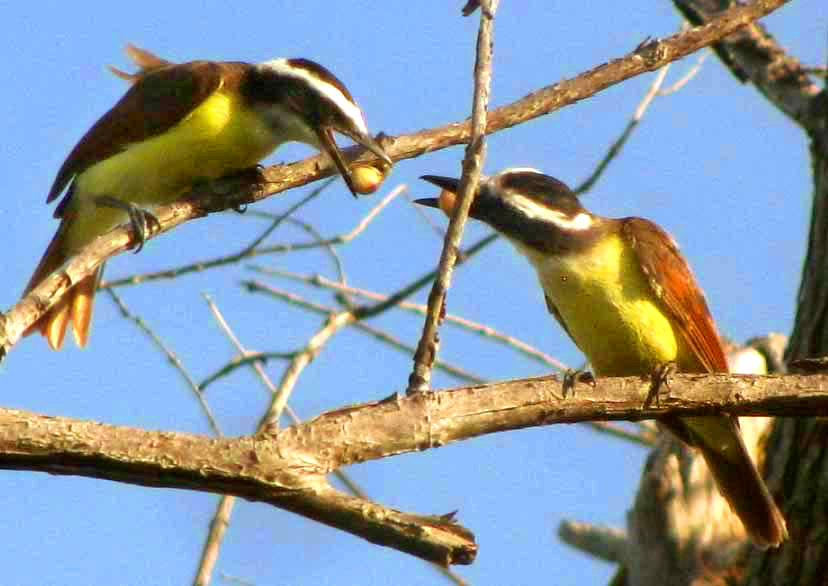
point(740, 484)
point(76, 304)
point(83, 301)
point(53, 324)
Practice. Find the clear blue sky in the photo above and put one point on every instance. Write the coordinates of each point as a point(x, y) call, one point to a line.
point(713, 164)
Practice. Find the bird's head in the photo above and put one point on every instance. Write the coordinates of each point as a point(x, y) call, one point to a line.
point(303, 101)
point(526, 206)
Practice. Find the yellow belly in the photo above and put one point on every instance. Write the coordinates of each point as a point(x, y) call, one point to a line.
point(611, 311)
point(217, 138)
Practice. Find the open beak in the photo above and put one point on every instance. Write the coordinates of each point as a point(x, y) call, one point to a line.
point(326, 139)
point(448, 197)
point(447, 183)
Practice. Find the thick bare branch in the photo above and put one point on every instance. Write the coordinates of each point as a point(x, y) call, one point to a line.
point(288, 469)
point(754, 55)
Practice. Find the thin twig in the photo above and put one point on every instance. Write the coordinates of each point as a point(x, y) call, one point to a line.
point(293, 299)
point(242, 361)
point(172, 357)
point(616, 146)
point(685, 79)
point(276, 249)
point(339, 267)
point(283, 216)
point(270, 420)
point(212, 544)
point(477, 328)
point(427, 348)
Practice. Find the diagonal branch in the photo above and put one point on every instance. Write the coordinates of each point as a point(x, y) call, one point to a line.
point(754, 55)
point(238, 191)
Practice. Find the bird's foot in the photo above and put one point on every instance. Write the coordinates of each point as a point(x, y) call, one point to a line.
point(660, 379)
point(572, 377)
point(139, 219)
point(250, 180)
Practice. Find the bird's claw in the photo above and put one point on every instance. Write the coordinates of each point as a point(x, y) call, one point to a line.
point(659, 378)
point(572, 377)
point(140, 220)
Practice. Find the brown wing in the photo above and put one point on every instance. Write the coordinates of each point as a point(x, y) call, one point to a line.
point(672, 282)
point(155, 103)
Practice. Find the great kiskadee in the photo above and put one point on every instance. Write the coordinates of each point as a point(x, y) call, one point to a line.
point(627, 298)
point(178, 125)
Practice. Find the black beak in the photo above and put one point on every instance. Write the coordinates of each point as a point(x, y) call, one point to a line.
point(330, 147)
point(372, 145)
point(446, 183)
point(431, 202)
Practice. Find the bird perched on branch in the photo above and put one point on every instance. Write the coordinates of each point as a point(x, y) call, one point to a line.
point(624, 294)
point(178, 125)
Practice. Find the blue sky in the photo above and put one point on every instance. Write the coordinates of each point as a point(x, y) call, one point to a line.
point(714, 164)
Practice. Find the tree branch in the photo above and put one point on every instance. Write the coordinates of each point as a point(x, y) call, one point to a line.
point(754, 55)
point(429, 344)
point(288, 469)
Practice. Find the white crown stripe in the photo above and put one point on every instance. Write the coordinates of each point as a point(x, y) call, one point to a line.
point(536, 211)
point(331, 92)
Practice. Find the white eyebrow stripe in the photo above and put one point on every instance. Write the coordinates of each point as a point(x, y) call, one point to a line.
point(331, 92)
point(581, 222)
point(536, 211)
point(520, 170)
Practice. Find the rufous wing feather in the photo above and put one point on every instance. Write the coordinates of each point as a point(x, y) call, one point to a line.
point(673, 284)
point(717, 437)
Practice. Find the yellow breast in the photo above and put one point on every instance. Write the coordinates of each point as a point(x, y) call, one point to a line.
point(609, 308)
point(217, 138)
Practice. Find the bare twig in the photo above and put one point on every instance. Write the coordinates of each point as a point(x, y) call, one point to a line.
point(616, 147)
point(427, 348)
point(172, 357)
point(221, 261)
point(244, 360)
point(477, 328)
point(212, 544)
point(282, 217)
point(685, 79)
point(378, 334)
point(221, 517)
point(339, 267)
point(336, 322)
